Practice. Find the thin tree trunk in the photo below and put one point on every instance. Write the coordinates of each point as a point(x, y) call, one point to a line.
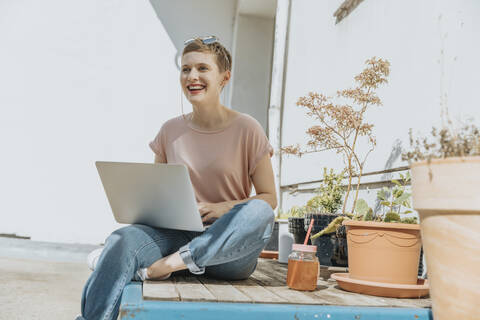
point(350, 156)
point(349, 183)
point(360, 166)
point(358, 187)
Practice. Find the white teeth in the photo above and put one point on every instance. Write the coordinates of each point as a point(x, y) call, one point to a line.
point(195, 87)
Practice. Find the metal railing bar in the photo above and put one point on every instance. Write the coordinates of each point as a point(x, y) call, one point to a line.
point(370, 185)
point(295, 185)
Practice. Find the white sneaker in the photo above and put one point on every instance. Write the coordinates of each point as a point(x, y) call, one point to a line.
point(92, 258)
point(142, 274)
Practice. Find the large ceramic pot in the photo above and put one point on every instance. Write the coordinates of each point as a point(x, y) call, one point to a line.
point(324, 243)
point(446, 193)
point(383, 252)
point(340, 248)
point(296, 227)
point(272, 244)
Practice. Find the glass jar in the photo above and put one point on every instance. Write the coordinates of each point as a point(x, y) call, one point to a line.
point(303, 268)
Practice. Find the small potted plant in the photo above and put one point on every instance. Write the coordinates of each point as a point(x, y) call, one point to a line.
point(446, 193)
point(323, 208)
point(388, 237)
point(296, 224)
point(341, 127)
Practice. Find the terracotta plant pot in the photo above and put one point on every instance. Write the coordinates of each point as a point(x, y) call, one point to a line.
point(446, 193)
point(383, 252)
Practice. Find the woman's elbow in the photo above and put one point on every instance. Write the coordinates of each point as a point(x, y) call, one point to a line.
point(273, 202)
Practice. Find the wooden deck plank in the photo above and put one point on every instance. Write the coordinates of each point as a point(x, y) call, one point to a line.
point(280, 289)
point(266, 285)
point(191, 289)
point(329, 293)
point(279, 273)
point(333, 295)
point(326, 272)
point(160, 290)
point(224, 291)
point(273, 268)
point(257, 293)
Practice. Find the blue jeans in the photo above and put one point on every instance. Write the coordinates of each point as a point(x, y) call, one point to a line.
point(227, 250)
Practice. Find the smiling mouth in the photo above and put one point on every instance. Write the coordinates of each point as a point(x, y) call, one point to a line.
point(197, 88)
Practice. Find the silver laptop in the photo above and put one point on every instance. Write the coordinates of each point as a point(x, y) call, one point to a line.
point(158, 195)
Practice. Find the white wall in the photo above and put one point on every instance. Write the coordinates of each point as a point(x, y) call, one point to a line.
point(86, 81)
point(253, 66)
point(82, 81)
point(433, 49)
point(185, 19)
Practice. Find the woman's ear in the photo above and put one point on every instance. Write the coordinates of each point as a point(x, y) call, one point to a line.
point(226, 77)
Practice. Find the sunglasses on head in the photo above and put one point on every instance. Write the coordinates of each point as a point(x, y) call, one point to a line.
point(205, 40)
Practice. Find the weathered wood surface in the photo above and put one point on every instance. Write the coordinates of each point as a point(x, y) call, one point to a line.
point(191, 289)
point(164, 290)
point(266, 285)
point(225, 290)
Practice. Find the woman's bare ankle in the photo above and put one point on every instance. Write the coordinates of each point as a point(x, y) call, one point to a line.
point(165, 266)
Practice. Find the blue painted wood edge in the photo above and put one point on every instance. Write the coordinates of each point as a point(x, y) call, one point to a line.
point(134, 307)
point(132, 294)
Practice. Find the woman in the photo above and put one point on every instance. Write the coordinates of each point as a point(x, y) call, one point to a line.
point(225, 152)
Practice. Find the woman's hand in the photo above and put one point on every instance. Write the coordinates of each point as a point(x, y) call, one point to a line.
point(213, 211)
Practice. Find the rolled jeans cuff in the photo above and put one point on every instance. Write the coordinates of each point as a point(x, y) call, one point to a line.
point(186, 256)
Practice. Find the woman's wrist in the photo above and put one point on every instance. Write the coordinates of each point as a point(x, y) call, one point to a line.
point(233, 203)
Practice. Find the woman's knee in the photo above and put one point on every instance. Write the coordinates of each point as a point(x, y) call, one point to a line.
point(234, 276)
point(131, 236)
point(262, 211)
point(234, 270)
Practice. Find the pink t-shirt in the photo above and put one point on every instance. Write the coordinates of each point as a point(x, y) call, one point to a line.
point(221, 162)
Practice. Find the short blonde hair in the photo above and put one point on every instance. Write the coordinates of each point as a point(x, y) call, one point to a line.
point(223, 57)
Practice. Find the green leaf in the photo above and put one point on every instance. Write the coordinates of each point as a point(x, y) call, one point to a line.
point(412, 220)
point(369, 215)
point(404, 197)
point(408, 211)
point(397, 192)
point(392, 217)
point(408, 176)
point(382, 194)
point(385, 203)
point(332, 227)
point(396, 182)
point(361, 207)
